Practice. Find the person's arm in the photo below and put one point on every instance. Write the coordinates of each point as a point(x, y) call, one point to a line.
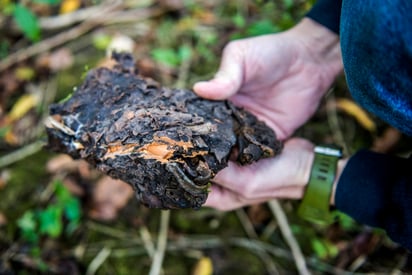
point(376, 190)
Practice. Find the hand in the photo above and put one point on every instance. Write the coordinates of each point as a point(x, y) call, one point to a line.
point(279, 77)
point(282, 177)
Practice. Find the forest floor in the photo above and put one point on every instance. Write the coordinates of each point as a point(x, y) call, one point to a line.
point(60, 216)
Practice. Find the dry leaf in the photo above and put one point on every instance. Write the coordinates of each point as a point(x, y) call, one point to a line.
point(74, 187)
point(387, 141)
point(3, 219)
point(61, 163)
point(203, 267)
point(4, 178)
point(109, 196)
point(24, 104)
point(205, 16)
point(258, 214)
point(25, 73)
point(56, 61)
point(351, 108)
point(68, 6)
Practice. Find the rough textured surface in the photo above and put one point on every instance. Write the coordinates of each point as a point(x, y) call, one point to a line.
point(167, 143)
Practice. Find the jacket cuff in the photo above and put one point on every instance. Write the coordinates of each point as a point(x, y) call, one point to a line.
point(327, 13)
point(376, 190)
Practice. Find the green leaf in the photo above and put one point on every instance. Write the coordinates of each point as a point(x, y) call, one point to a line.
point(51, 221)
point(62, 193)
point(70, 204)
point(167, 57)
point(101, 41)
point(288, 3)
point(6, 7)
point(239, 20)
point(4, 130)
point(324, 249)
point(184, 53)
point(73, 214)
point(27, 224)
point(47, 2)
point(27, 21)
point(345, 221)
point(319, 248)
point(261, 27)
point(72, 209)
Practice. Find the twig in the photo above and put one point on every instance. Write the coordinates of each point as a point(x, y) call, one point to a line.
point(202, 242)
point(21, 153)
point(107, 15)
point(247, 225)
point(65, 20)
point(98, 261)
point(60, 38)
point(268, 231)
point(147, 241)
point(108, 230)
point(288, 235)
point(161, 243)
point(250, 231)
point(333, 121)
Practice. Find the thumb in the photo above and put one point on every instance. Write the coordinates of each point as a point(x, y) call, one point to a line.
point(226, 81)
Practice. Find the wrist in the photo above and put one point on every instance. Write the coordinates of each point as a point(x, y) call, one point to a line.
point(339, 170)
point(321, 44)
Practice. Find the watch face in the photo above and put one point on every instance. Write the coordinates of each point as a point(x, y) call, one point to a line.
point(330, 151)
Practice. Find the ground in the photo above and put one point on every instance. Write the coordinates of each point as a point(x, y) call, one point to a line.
point(59, 216)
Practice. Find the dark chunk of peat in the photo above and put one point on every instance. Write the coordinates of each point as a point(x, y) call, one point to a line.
point(167, 143)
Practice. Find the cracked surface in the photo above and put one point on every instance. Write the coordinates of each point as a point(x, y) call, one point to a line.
point(167, 143)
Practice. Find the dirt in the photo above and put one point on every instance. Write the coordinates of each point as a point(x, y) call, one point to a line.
point(167, 143)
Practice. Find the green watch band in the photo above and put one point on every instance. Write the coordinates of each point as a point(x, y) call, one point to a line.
point(315, 203)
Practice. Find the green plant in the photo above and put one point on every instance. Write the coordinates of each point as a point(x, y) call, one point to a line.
point(60, 216)
point(171, 57)
point(25, 19)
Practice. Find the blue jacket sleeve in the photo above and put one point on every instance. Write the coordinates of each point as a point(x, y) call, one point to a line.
point(376, 189)
point(327, 13)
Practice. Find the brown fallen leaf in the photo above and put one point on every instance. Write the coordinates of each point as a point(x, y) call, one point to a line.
point(109, 196)
point(3, 219)
point(258, 214)
point(74, 187)
point(65, 164)
point(58, 60)
point(4, 178)
point(387, 140)
point(61, 163)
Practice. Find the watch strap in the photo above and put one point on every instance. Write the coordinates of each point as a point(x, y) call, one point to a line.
point(315, 205)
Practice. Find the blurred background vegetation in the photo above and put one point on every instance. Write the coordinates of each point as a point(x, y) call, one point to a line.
point(59, 216)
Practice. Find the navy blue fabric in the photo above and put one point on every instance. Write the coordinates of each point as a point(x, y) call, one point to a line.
point(376, 42)
point(327, 13)
point(376, 189)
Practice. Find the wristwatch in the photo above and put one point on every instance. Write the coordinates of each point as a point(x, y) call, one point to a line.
point(315, 205)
